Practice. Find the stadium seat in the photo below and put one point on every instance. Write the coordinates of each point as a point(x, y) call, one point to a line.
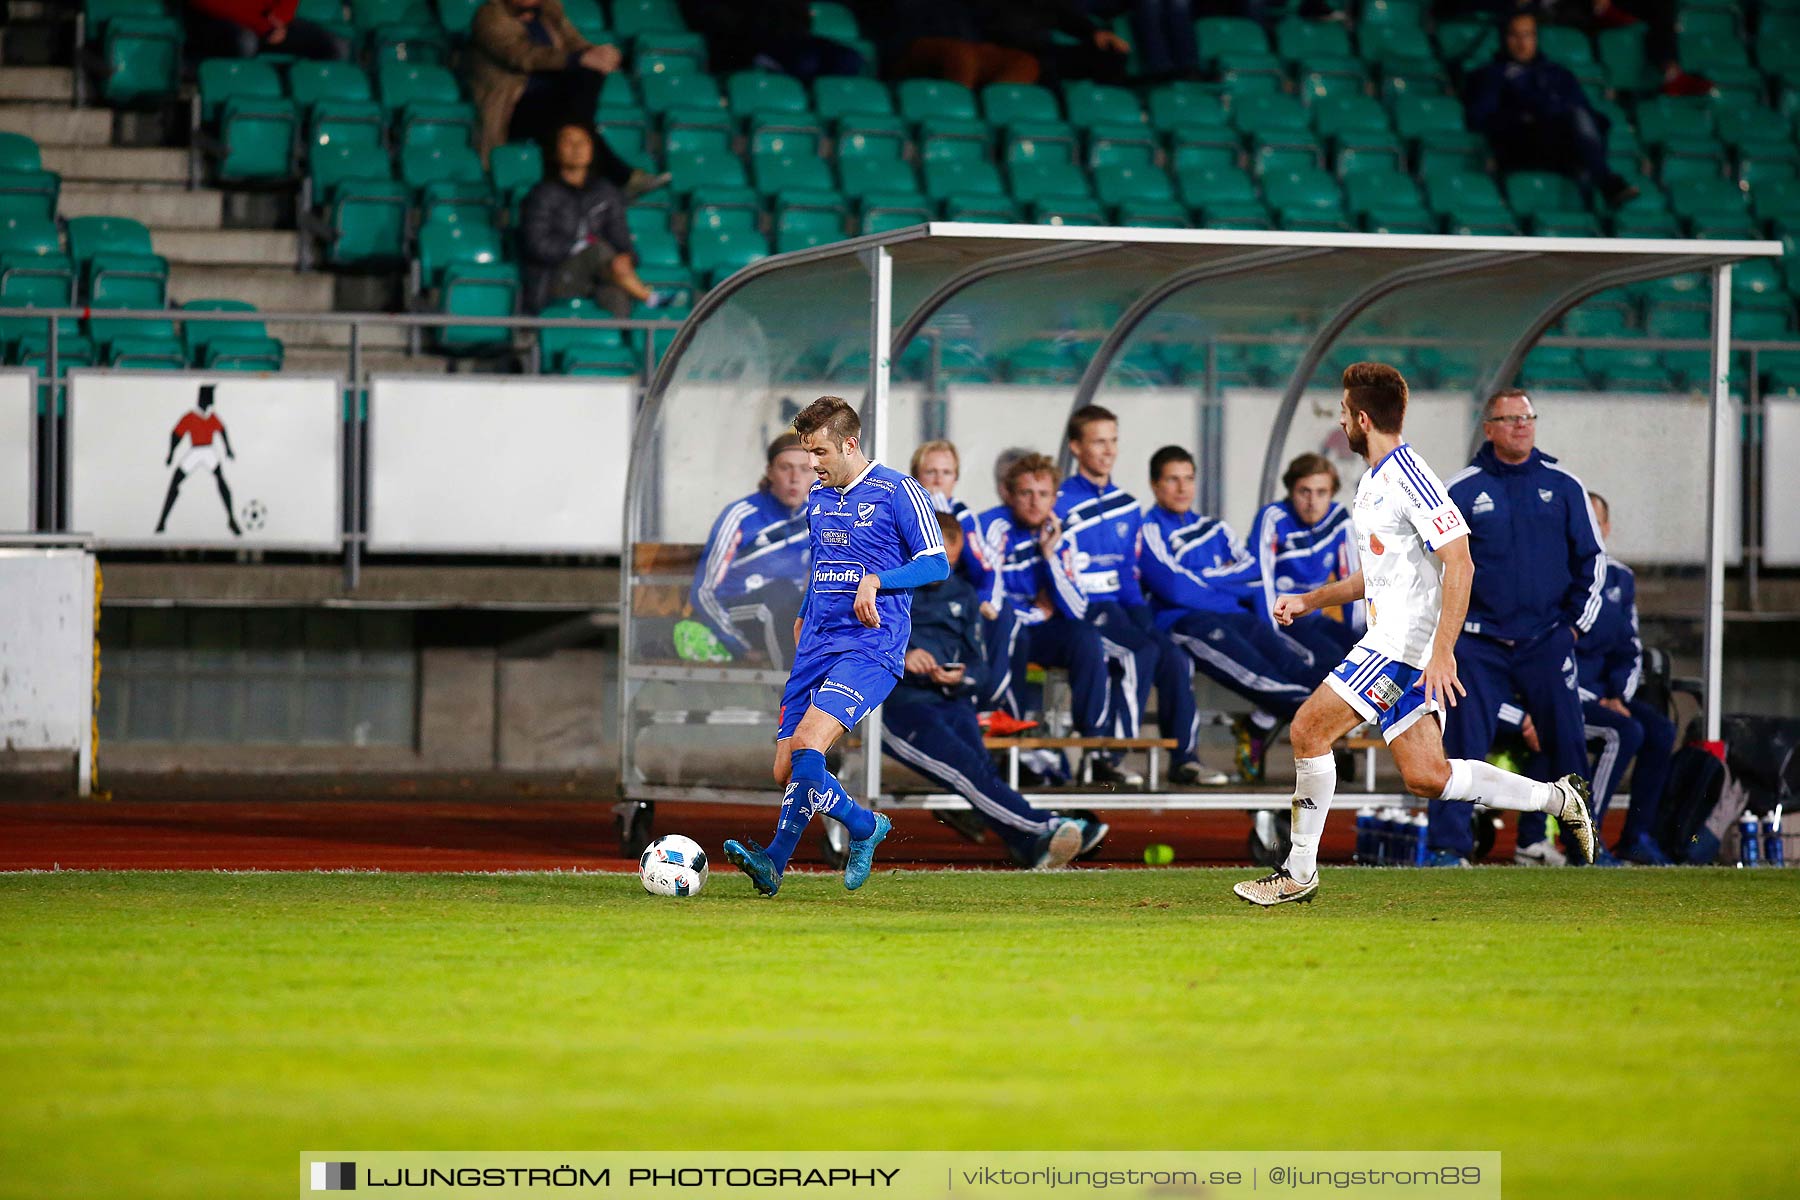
point(1041, 363)
point(29, 193)
point(516, 168)
point(1115, 185)
point(719, 252)
point(921, 99)
point(666, 91)
point(220, 79)
point(985, 208)
point(1229, 35)
point(713, 208)
point(115, 263)
point(140, 60)
point(779, 173)
point(425, 123)
point(766, 92)
point(1121, 145)
point(1152, 214)
point(228, 345)
point(785, 134)
point(1555, 368)
point(1203, 186)
point(365, 218)
point(34, 271)
point(838, 96)
point(1297, 38)
point(1270, 114)
point(1349, 115)
point(1465, 196)
point(1668, 118)
point(858, 177)
point(1182, 106)
point(1091, 104)
point(1416, 117)
point(691, 171)
point(871, 136)
point(583, 350)
point(358, 123)
point(893, 210)
point(1310, 192)
point(1034, 181)
point(401, 83)
point(1389, 193)
point(1532, 192)
point(834, 21)
point(632, 17)
point(950, 177)
point(1006, 104)
point(1550, 222)
point(242, 99)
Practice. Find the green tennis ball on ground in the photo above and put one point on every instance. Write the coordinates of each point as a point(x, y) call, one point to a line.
point(1159, 855)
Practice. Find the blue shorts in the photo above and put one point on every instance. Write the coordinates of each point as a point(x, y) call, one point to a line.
point(1383, 690)
point(847, 685)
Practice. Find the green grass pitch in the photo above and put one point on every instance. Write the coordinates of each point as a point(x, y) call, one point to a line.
point(1613, 1033)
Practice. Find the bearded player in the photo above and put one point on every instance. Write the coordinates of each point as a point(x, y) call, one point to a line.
point(1415, 574)
point(874, 537)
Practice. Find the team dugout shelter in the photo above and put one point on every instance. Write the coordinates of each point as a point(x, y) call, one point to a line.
point(906, 324)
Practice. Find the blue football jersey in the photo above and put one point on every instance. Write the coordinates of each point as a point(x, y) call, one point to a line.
point(1101, 524)
point(881, 521)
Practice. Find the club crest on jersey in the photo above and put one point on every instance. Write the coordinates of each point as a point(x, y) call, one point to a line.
point(1375, 546)
point(1546, 495)
point(864, 511)
point(1484, 503)
point(1615, 594)
point(1384, 693)
point(1122, 528)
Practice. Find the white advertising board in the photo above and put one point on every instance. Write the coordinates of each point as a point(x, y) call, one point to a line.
point(206, 461)
point(1781, 484)
point(47, 652)
point(18, 450)
point(486, 465)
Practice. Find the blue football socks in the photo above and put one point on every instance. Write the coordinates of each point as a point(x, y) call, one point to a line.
point(812, 789)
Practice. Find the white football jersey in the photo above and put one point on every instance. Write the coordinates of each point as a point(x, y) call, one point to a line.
point(1403, 513)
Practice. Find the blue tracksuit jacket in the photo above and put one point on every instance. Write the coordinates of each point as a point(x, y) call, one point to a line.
point(1609, 656)
point(1101, 527)
point(755, 541)
point(1290, 556)
point(1014, 555)
point(1189, 563)
point(1538, 558)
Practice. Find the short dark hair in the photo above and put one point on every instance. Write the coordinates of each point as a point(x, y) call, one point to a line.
point(832, 414)
point(950, 527)
point(1165, 456)
point(1311, 464)
point(1084, 416)
point(1378, 390)
point(778, 447)
point(1031, 464)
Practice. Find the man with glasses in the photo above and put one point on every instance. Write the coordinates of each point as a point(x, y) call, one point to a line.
point(1539, 571)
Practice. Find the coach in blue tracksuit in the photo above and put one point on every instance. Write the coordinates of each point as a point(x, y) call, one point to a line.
point(753, 568)
point(1539, 567)
point(931, 724)
point(1609, 662)
point(1301, 542)
point(1103, 526)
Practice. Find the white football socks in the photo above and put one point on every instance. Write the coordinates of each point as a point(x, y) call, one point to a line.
point(1315, 782)
point(1484, 783)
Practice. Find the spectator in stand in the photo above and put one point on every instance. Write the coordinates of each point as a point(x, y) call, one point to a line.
point(1536, 117)
point(531, 73)
point(1002, 41)
point(1163, 31)
point(775, 35)
point(245, 28)
point(574, 241)
point(1659, 44)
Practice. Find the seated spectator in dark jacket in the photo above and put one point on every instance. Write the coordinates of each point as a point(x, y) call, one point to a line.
point(244, 28)
point(931, 723)
point(531, 73)
point(979, 42)
point(775, 35)
point(574, 239)
point(1536, 117)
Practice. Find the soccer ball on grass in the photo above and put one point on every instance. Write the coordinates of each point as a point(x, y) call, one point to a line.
point(673, 866)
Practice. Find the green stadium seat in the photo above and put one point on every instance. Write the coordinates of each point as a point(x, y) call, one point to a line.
point(366, 218)
point(516, 168)
point(19, 153)
point(871, 136)
point(1663, 119)
point(421, 166)
point(1035, 181)
point(1550, 222)
point(1332, 83)
point(1757, 283)
point(838, 96)
point(1091, 104)
point(1121, 145)
point(1309, 191)
point(696, 131)
point(1115, 185)
point(990, 209)
point(1706, 197)
point(766, 92)
point(1555, 368)
point(1047, 141)
point(1645, 223)
point(1184, 106)
point(116, 264)
point(785, 173)
point(1420, 116)
point(925, 98)
point(1041, 363)
point(1067, 210)
point(1388, 192)
point(220, 79)
point(590, 23)
point(1380, 158)
point(1243, 75)
point(662, 92)
point(784, 133)
point(1387, 43)
point(425, 123)
point(140, 60)
point(667, 45)
point(1270, 114)
point(1706, 50)
point(560, 348)
point(858, 177)
point(228, 345)
point(895, 210)
point(357, 123)
point(1203, 187)
point(632, 17)
point(1465, 195)
point(1677, 321)
point(1399, 221)
point(1006, 104)
point(476, 289)
point(401, 83)
point(29, 194)
point(34, 271)
point(257, 135)
point(1297, 38)
point(1349, 115)
point(1229, 35)
point(656, 248)
point(1467, 44)
point(154, 349)
point(1768, 164)
point(834, 21)
point(952, 177)
point(457, 15)
point(1566, 45)
point(1145, 213)
point(1775, 323)
point(719, 252)
point(691, 171)
point(1733, 227)
point(1532, 192)
point(953, 137)
point(811, 212)
point(1191, 148)
point(1285, 152)
point(1413, 79)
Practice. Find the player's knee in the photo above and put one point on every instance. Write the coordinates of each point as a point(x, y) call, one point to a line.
point(1307, 737)
point(1426, 780)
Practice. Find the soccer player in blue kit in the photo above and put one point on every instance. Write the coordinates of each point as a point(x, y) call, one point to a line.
point(874, 538)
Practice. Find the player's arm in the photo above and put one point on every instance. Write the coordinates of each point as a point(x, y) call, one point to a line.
point(916, 519)
point(1289, 609)
point(1441, 683)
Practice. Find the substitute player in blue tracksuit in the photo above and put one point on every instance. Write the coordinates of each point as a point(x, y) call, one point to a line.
point(1539, 567)
point(1189, 566)
point(1037, 574)
point(938, 468)
point(874, 539)
point(1102, 525)
point(753, 568)
point(931, 726)
point(1301, 542)
point(1609, 662)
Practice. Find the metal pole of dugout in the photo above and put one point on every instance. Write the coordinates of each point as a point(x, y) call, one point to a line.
point(929, 271)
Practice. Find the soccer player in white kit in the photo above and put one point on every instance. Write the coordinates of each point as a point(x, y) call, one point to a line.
point(1416, 572)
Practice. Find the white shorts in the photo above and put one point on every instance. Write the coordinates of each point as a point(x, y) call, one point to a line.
point(198, 459)
point(1384, 690)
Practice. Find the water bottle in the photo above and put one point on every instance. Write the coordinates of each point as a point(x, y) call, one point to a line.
point(1365, 835)
point(1774, 853)
point(1384, 834)
point(1421, 833)
point(1749, 835)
